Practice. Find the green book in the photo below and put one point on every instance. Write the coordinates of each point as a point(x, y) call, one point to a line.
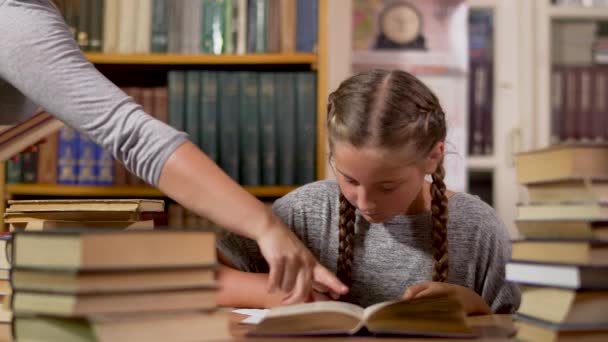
point(306, 126)
point(249, 129)
point(192, 119)
point(268, 128)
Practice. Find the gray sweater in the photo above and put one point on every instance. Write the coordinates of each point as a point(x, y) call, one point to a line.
point(391, 256)
point(41, 65)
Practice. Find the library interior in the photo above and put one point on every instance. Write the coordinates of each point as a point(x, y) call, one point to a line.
point(270, 169)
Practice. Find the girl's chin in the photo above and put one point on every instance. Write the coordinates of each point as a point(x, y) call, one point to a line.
point(375, 218)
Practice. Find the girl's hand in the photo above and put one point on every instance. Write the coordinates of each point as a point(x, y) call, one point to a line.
point(293, 269)
point(473, 304)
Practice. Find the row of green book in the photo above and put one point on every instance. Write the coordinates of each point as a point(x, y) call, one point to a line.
point(260, 127)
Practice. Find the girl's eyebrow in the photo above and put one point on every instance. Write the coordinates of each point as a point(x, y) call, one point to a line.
point(384, 182)
point(343, 174)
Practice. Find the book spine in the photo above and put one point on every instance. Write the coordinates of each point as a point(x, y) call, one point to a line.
point(249, 129)
point(251, 25)
point(104, 163)
point(143, 27)
point(600, 107)
point(195, 27)
point(160, 26)
point(286, 126)
point(487, 109)
point(261, 26)
point(71, 16)
point(67, 163)
point(306, 124)
point(228, 29)
point(273, 25)
point(177, 94)
point(557, 103)
point(86, 161)
point(476, 93)
point(306, 25)
point(213, 27)
point(161, 104)
point(14, 172)
point(229, 123)
point(287, 31)
point(585, 98)
point(127, 26)
point(209, 117)
point(111, 24)
point(193, 85)
point(268, 119)
point(96, 28)
point(84, 22)
point(241, 26)
point(174, 8)
point(47, 160)
point(571, 120)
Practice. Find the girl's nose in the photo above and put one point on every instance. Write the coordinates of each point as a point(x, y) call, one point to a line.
point(365, 202)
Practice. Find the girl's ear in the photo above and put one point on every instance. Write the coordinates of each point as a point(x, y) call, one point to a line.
point(434, 158)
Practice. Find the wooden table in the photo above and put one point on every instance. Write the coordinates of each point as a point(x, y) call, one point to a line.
point(490, 328)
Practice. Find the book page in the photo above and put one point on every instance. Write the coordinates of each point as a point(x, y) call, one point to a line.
point(377, 307)
point(317, 307)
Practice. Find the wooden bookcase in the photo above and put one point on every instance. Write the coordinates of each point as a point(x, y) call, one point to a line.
point(316, 62)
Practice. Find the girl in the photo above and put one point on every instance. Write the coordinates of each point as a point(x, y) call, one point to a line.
point(381, 227)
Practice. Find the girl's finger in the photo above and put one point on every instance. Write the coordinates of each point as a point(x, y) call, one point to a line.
point(290, 275)
point(302, 289)
point(275, 278)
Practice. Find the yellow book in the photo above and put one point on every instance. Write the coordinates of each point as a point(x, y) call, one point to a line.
point(129, 205)
point(174, 326)
point(578, 252)
point(103, 249)
point(563, 229)
point(59, 224)
point(565, 306)
point(563, 162)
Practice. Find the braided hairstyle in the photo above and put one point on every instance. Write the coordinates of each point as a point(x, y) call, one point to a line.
point(391, 110)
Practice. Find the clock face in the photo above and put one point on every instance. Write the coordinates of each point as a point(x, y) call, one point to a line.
point(401, 24)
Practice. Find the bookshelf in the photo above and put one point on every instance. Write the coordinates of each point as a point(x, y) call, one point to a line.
point(47, 190)
point(198, 59)
point(315, 62)
point(496, 170)
point(546, 15)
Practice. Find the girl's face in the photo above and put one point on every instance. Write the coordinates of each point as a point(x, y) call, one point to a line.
point(379, 187)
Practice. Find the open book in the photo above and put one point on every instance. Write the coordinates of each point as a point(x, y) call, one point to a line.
point(438, 316)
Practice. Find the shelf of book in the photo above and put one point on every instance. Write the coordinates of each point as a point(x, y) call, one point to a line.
point(202, 59)
point(118, 191)
point(574, 12)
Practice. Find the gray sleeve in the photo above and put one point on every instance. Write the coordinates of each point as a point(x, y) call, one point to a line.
point(39, 57)
point(243, 252)
point(495, 252)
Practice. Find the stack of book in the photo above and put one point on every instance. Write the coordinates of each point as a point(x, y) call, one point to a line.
point(82, 213)
point(5, 288)
point(115, 285)
point(561, 261)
